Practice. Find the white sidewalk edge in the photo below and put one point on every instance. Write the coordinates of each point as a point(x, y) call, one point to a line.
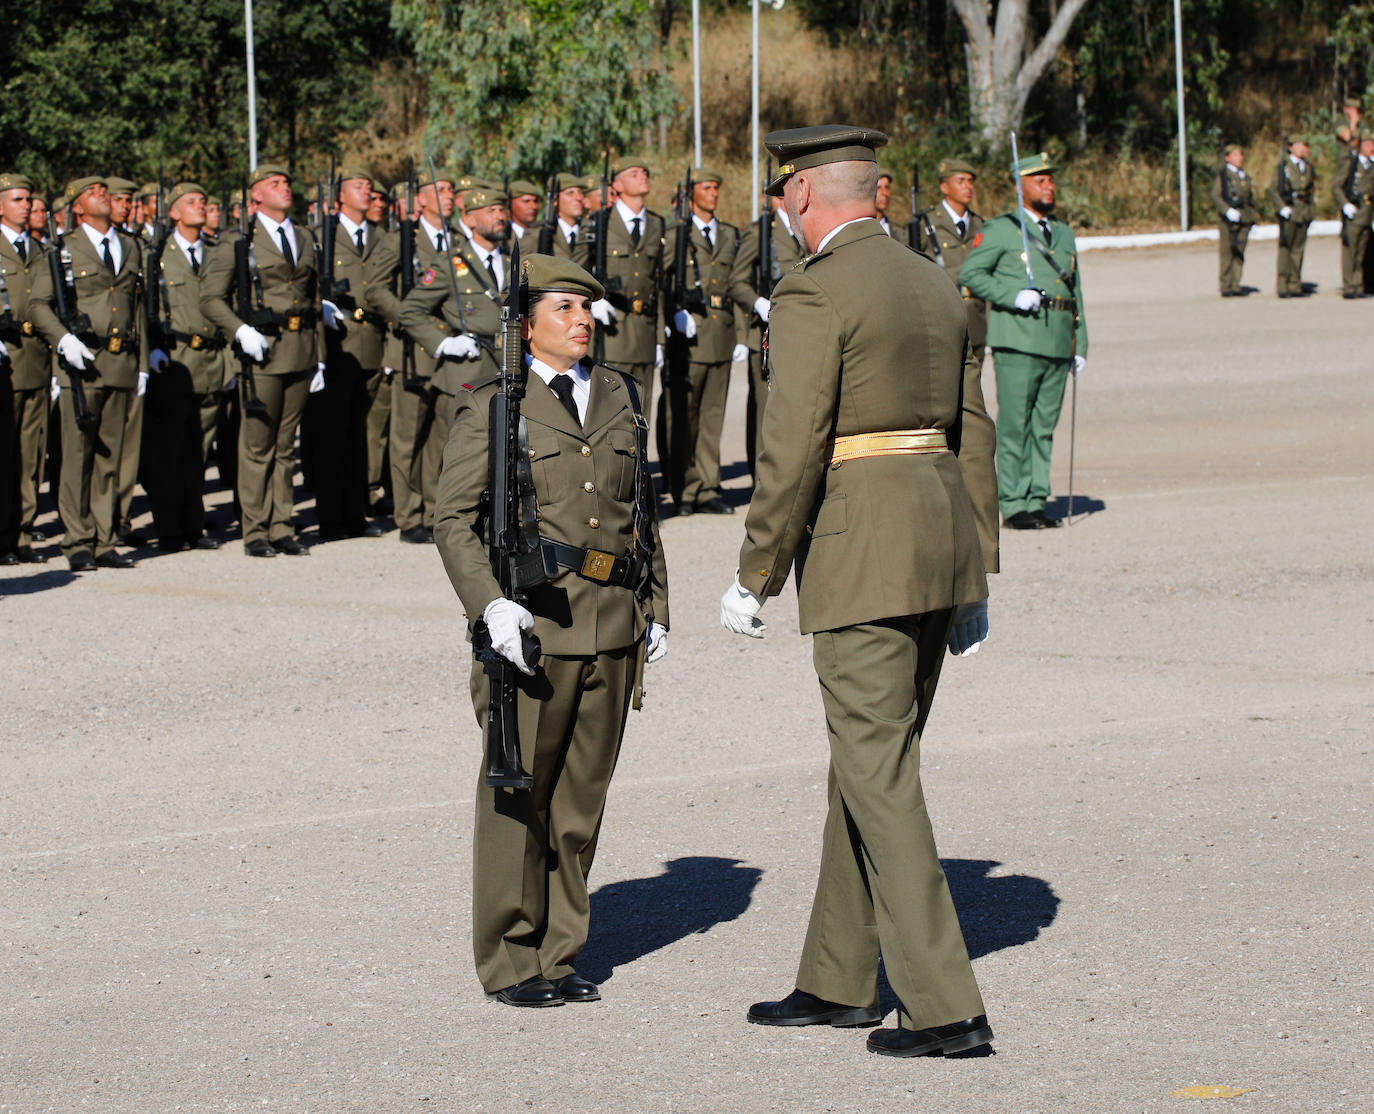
point(1163, 239)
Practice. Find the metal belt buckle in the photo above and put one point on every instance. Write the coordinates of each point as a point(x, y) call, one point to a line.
point(293, 324)
point(716, 301)
point(637, 306)
point(598, 565)
point(359, 314)
point(26, 328)
point(197, 341)
point(114, 344)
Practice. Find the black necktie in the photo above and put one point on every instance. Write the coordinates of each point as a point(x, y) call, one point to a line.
point(285, 248)
point(439, 242)
point(360, 241)
point(572, 238)
point(22, 250)
point(562, 386)
point(195, 263)
point(491, 270)
point(960, 225)
point(105, 254)
point(707, 233)
point(1045, 228)
point(634, 232)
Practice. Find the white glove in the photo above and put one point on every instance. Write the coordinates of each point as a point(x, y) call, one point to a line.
point(658, 356)
point(74, 352)
point(253, 343)
point(740, 354)
point(684, 323)
point(505, 620)
point(603, 311)
point(461, 347)
point(658, 642)
point(388, 372)
point(761, 307)
point(739, 611)
point(4, 352)
point(1286, 212)
point(55, 389)
point(1349, 210)
point(1028, 300)
point(970, 629)
point(157, 359)
point(1233, 215)
point(317, 383)
point(1079, 363)
point(142, 388)
point(333, 319)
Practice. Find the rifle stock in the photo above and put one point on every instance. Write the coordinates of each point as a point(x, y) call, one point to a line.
point(410, 377)
point(76, 323)
point(243, 307)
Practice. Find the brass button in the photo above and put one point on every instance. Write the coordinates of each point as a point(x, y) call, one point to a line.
point(763, 573)
point(586, 450)
point(593, 522)
point(808, 529)
point(589, 487)
point(531, 454)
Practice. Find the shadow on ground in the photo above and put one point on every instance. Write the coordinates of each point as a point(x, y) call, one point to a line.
point(636, 917)
point(29, 583)
point(1058, 507)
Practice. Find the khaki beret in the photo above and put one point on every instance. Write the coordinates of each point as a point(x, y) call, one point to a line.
point(884, 172)
point(348, 173)
point(148, 189)
point(1038, 163)
point(213, 200)
point(1294, 140)
point(481, 196)
point(120, 185)
point(802, 148)
point(425, 178)
point(13, 181)
point(78, 186)
point(950, 167)
point(377, 187)
point(181, 189)
point(1230, 149)
point(266, 170)
point(540, 274)
point(592, 182)
point(521, 187)
point(706, 174)
point(570, 181)
point(625, 164)
point(466, 181)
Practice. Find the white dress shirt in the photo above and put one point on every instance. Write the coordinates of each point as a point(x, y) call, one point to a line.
point(352, 230)
point(186, 245)
point(581, 380)
point(285, 226)
point(112, 237)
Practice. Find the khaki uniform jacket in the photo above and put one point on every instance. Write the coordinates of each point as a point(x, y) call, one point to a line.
point(744, 278)
point(1362, 194)
point(363, 335)
point(288, 291)
point(715, 339)
point(430, 315)
point(639, 322)
point(884, 536)
point(383, 289)
point(1241, 188)
point(115, 307)
point(584, 483)
point(30, 359)
point(580, 252)
point(954, 249)
point(1296, 188)
point(181, 311)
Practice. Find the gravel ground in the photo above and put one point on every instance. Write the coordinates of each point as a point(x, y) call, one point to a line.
point(235, 796)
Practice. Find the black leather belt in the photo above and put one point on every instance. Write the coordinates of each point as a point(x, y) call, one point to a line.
point(195, 340)
point(591, 564)
point(294, 322)
point(1067, 304)
point(115, 343)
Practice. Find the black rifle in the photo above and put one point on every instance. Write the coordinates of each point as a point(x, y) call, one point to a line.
point(332, 289)
point(919, 227)
point(1352, 178)
point(549, 229)
point(1233, 201)
point(245, 278)
point(448, 264)
point(75, 322)
point(1286, 197)
point(517, 559)
point(611, 284)
point(677, 351)
point(767, 261)
point(410, 379)
point(154, 286)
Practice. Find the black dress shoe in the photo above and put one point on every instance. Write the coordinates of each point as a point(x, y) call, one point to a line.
point(205, 542)
point(82, 560)
point(27, 556)
point(381, 506)
point(936, 1041)
point(417, 535)
point(536, 992)
point(1046, 522)
point(259, 547)
point(112, 559)
point(373, 530)
point(9, 559)
point(290, 546)
point(714, 505)
point(801, 1008)
point(574, 988)
point(1023, 520)
point(684, 509)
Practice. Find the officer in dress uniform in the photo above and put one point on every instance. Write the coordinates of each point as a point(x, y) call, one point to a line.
point(711, 336)
point(570, 239)
point(1233, 194)
point(525, 198)
point(1295, 183)
point(287, 354)
point(870, 477)
point(25, 369)
point(106, 268)
point(947, 232)
point(1038, 337)
point(1354, 190)
point(597, 620)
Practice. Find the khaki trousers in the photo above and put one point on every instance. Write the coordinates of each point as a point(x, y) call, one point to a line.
point(1231, 255)
point(1292, 247)
point(129, 455)
point(532, 849)
point(267, 456)
point(88, 495)
point(705, 420)
point(881, 889)
point(1354, 243)
point(378, 425)
point(758, 395)
point(25, 422)
point(414, 473)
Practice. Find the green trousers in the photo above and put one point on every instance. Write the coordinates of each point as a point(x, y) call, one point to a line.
point(881, 889)
point(1030, 394)
point(1231, 255)
point(1292, 247)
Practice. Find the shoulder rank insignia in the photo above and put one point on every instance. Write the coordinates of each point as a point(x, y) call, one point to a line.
point(978, 239)
point(427, 279)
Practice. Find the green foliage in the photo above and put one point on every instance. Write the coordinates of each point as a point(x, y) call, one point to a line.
point(1352, 38)
point(526, 88)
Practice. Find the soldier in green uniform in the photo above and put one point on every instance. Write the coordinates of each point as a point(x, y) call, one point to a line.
point(570, 239)
point(106, 267)
point(1295, 183)
point(288, 354)
point(1037, 333)
point(186, 386)
point(25, 369)
point(711, 335)
point(1233, 194)
point(947, 232)
point(122, 192)
point(753, 307)
point(630, 313)
point(533, 849)
point(870, 475)
point(1354, 190)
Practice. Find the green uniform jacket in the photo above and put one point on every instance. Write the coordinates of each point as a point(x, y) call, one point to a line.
point(744, 277)
point(181, 312)
point(30, 359)
point(884, 536)
point(584, 483)
point(954, 250)
point(114, 306)
point(1361, 195)
point(430, 315)
point(638, 330)
point(1294, 187)
point(715, 339)
point(288, 291)
point(1241, 189)
point(363, 335)
point(996, 272)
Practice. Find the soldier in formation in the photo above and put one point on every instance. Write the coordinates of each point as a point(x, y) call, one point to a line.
point(947, 232)
point(1295, 184)
point(1233, 194)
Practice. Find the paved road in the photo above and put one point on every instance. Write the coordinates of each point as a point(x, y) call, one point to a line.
point(235, 796)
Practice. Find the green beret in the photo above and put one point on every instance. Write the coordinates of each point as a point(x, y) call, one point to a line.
point(469, 182)
point(705, 174)
point(479, 197)
point(522, 186)
point(181, 189)
point(145, 191)
point(627, 163)
point(266, 170)
point(13, 181)
point(213, 200)
point(348, 173)
point(802, 148)
point(1038, 163)
point(541, 274)
point(377, 186)
point(120, 185)
point(78, 186)
point(1294, 140)
point(950, 167)
point(592, 183)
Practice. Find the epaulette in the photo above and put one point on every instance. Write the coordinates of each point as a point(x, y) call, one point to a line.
point(485, 381)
